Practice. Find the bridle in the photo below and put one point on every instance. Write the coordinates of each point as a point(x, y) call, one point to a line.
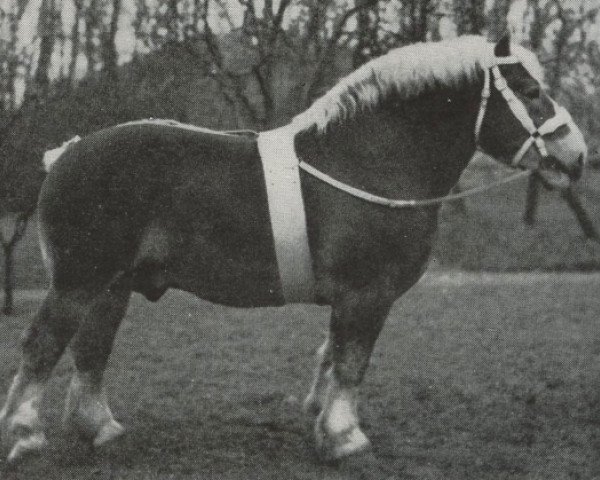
point(561, 115)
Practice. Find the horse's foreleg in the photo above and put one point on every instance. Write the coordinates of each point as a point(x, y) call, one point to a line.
point(316, 398)
point(356, 321)
point(86, 410)
point(43, 344)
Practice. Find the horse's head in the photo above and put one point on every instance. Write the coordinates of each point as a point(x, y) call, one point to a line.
point(519, 124)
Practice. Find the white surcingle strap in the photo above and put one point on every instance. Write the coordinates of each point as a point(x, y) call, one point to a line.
point(288, 218)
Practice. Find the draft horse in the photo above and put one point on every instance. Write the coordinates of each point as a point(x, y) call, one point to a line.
point(146, 207)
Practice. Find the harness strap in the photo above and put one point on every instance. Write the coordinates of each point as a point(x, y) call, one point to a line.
point(393, 203)
point(485, 96)
point(288, 218)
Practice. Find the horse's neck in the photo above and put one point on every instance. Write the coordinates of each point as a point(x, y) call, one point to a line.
point(414, 148)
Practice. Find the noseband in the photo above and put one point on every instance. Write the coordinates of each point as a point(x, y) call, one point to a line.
point(561, 115)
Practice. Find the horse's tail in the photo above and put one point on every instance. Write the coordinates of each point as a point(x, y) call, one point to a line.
point(51, 156)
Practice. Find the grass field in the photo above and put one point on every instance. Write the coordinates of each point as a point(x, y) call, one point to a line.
point(475, 377)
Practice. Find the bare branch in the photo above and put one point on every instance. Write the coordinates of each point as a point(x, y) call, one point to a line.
point(327, 52)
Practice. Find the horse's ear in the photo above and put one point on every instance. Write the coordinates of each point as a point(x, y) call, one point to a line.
point(502, 48)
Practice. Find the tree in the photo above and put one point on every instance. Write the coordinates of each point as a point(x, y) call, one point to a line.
point(10, 17)
point(48, 19)
point(75, 41)
point(21, 178)
point(109, 47)
point(497, 16)
point(367, 26)
point(469, 16)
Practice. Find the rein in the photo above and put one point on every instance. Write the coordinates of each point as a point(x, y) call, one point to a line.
point(390, 202)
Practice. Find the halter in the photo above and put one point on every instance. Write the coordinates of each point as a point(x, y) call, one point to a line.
point(561, 116)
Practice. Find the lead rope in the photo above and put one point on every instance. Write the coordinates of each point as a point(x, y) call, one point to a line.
point(388, 202)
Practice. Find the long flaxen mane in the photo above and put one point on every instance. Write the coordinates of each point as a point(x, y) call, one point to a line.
point(408, 71)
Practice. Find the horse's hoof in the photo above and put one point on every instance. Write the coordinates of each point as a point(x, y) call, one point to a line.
point(343, 444)
point(108, 432)
point(28, 445)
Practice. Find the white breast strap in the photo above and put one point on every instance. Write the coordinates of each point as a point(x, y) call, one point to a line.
point(288, 218)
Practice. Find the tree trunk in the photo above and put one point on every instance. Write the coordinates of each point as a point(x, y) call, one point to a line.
point(91, 25)
point(46, 27)
point(109, 48)
point(8, 245)
point(12, 56)
point(470, 16)
point(9, 249)
point(75, 42)
point(585, 222)
point(366, 32)
point(532, 199)
point(497, 22)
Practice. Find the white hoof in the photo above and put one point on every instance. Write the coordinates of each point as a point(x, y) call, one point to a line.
point(108, 432)
point(336, 446)
point(24, 446)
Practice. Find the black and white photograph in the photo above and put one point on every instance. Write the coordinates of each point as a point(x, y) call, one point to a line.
point(300, 239)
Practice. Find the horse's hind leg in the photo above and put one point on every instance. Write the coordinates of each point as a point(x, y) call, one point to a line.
point(86, 409)
point(356, 321)
point(43, 343)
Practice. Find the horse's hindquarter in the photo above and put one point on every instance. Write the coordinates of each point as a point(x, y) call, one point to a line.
point(182, 208)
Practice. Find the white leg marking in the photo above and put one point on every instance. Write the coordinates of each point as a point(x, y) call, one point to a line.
point(108, 432)
point(20, 418)
point(88, 412)
point(27, 410)
point(337, 431)
point(32, 443)
point(341, 415)
point(315, 400)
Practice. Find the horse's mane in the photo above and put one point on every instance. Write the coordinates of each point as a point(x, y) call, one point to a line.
point(408, 71)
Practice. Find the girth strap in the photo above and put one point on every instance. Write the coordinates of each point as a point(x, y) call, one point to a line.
point(288, 218)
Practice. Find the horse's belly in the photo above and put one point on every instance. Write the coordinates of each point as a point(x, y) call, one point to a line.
point(239, 281)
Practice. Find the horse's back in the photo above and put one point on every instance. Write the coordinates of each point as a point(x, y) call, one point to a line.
point(180, 208)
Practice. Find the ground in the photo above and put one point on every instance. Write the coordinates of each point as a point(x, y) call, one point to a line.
point(476, 376)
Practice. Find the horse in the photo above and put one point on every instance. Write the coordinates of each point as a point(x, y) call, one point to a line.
point(149, 206)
